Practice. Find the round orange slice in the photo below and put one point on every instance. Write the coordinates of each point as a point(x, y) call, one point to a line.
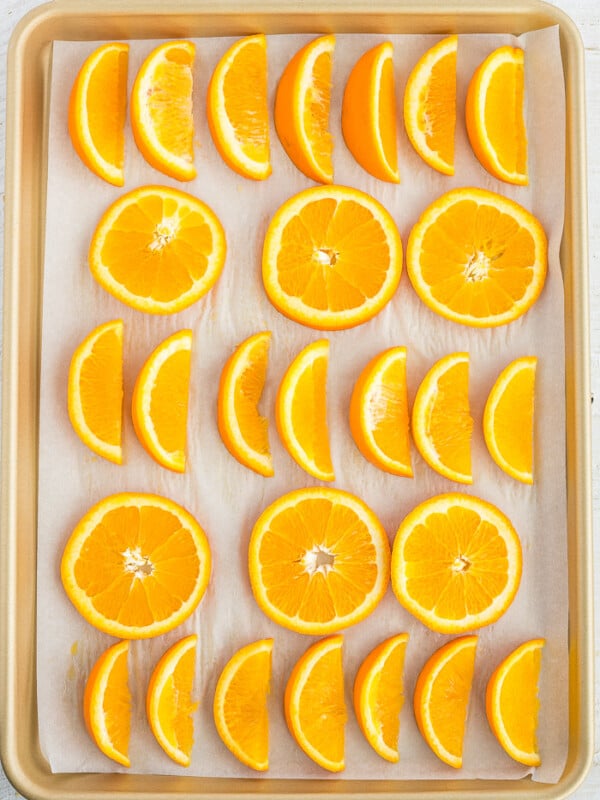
point(136, 565)
point(477, 258)
point(157, 249)
point(95, 390)
point(318, 560)
point(240, 704)
point(369, 113)
point(169, 704)
point(430, 105)
point(441, 419)
point(243, 430)
point(159, 405)
point(237, 110)
point(314, 704)
point(97, 111)
point(107, 703)
point(332, 257)
point(441, 698)
point(161, 109)
point(512, 702)
point(456, 563)
point(379, 418)
point(302, 105)
point(379, 695)
point(508, 419)
point(494, 115)
point(301, 411)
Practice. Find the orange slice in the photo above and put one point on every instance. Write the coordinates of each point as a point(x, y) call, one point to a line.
point(379, 695)
point(169, 705)
point(441, 420)
point(456, 563)
point(332, 257)
point(369, 113)
point(315, 710)
point(161, 109)
point(160, 401)
point(441, 698)
point(302, 107)
point(107, 704)
point(379, 417)
point(240, 704)
point(237, 111)
point(136, 565)
point(430, 105)
point(97, 111)
point(157, 249)
point(494, 115)
point(318, 560)
point(512, 703)
point(301, 411)
point(95, 390)
point(477, 258)
point(243, 430)
point(508, 419)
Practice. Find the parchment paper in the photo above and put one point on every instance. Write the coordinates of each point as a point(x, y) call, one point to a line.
point(227, 498)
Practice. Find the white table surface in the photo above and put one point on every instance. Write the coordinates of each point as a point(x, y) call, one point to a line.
point(586, 14)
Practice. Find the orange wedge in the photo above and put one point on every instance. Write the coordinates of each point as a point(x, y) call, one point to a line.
point(441, 698)
point(301, 411)
point(430, 105)
point(477, 258)
point(441, 420)
point(237, 111)
point(97, 111)
point(379, 695)
point(169, 705)
point(512, 703)
point(95, 390)
point(157, 249)
point(332, 257)
point(243, 430)
point(379, 418)
point(161, 109)
point(508, 419)
point(456, 563)
point(160, 401)
point(369, 113)
point(302, 107)
point(494, 115)
point(315, 710)
point(318, 560)
point(107, 703)
point(136, 565)
point(240, 704)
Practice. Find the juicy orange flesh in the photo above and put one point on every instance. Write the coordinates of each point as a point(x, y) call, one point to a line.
point(513, 422)
point(244, 707)
point(157, 248)
point(477, 260)
point(316, 112)
point(519, 701)
point(333, 255)
point(117, 705)
point(455, 563)
point(245, 93)
point(309, 413)
point(387, 113)
point(175, 707)
point(248, 390)
point(450, 424)
point(387, 411)
point(314, 532)
point(438, 108)
point(504, 123)
point(169, 401)
point(101, 388)
point(388, 696)
point(138, 565)
point(107, 106)
point(170, 102)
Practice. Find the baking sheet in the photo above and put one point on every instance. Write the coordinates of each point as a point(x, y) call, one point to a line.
point(226, 498)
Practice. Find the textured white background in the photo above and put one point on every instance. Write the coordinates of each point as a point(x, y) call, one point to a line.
point(586, 15)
